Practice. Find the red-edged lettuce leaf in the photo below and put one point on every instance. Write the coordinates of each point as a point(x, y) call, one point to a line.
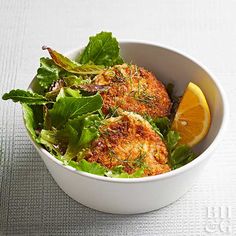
point(72, 66)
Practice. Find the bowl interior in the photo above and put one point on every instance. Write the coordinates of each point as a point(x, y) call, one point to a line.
point(172, 67)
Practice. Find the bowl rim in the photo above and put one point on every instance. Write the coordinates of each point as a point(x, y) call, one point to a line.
point(166, 175)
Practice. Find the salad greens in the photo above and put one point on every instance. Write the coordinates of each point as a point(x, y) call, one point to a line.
point(76, 135)
point(179, 155)
point(72, 66)
point(71, 107)
point(96, 168)
point(65, 119)
point(29, 120)
point(48, 72)
point(102, 49)
point(26, 97)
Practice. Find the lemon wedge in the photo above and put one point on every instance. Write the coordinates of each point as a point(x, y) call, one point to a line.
point(192, 119)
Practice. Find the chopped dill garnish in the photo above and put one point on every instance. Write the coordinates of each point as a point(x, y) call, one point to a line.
point(139, 161)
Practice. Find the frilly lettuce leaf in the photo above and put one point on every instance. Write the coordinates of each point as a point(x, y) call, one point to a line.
point(73, 80)
point(65, 88)
point(75, 136)
point(118, 172)
point(163, 124)
point(47, 73)
point(85, 131)
point(50, 140)
point(172, 139)
point(89, 167)
point(181, 155)
point(98, 169)
point(102, 49)
point(154, 126)
point(87, 127)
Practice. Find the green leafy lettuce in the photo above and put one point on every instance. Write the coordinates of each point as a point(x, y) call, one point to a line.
point(68, 92)
point(98, 169)
point(26, 97)
point(179, 155)
point(71, 107)
point(47, 73)
point(163, 124)
point(74, 80)
point(29, 120)
point(154, 126)
point(118, 172)
point(102, 49)
point(75, 136)
point(89, 167)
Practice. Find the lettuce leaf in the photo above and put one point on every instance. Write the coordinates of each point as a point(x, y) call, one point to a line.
point(154, 126)
point(50, 140)
point(163, 124)
point(85, 130)
point(27, 97)
point(89, 167)
point(71, 86)
point(178, 155)
point(181, 155)
point(172, 139)
point(47, 73)
point(29, 120)
point(102, 49)
point(72, 66)
point(75, 136)
point(118, 172)
point(32, 112)
point(73, 80)
point(70, 107)
point(98, 169)
point(68, 92)
point(62, 142)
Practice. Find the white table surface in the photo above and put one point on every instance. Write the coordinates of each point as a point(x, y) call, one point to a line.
point(31, 203)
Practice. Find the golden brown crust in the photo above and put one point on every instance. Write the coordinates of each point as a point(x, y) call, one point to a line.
point(129, 140)
point(133, 88)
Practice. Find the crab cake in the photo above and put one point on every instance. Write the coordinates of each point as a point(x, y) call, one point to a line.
point(130, 141)
point(133, 88)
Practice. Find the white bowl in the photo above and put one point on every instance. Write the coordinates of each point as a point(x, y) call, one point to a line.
point(139, 195)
